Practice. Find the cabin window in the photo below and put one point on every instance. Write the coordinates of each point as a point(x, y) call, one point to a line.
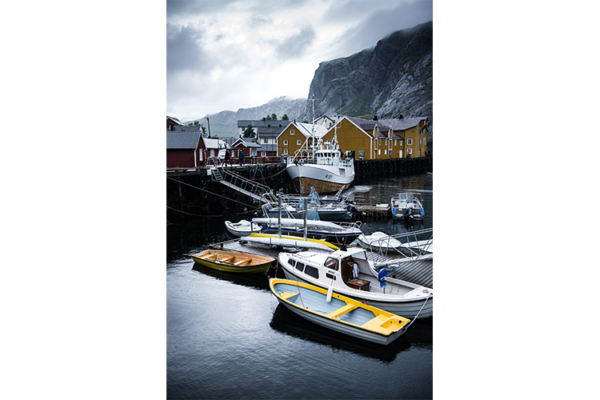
point(300, 266)
point(298, 142)
point(292, 132)
point(331, 263)
point(312, 271)
point(409, 142)
point(292, 262)
point(285, 142)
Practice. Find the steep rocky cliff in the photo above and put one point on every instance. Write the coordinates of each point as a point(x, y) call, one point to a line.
point(394, 78)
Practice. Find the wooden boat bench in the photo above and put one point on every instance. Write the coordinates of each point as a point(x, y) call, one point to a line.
point(242, 262)
point(342, 310)
point(209, 256)
point(381, 323)
point(287, 296)
point(227, 259)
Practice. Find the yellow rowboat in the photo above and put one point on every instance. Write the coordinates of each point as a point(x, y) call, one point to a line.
point(232, 261)
point(339, 313)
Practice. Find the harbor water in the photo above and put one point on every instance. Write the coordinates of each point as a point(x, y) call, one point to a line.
point(228, 337)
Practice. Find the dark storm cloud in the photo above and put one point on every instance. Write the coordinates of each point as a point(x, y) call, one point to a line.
point(296, 45)
point(378, 24)
point(184, 52)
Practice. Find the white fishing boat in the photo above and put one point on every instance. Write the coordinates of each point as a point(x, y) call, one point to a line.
point(324, 169)
point(351, 273)
point(378, 240)
point(407, 206)
point(295, 209)
point(339, 313)
point(242, 228)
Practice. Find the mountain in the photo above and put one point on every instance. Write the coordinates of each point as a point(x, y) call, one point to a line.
point(392, 79)
point(224, 124)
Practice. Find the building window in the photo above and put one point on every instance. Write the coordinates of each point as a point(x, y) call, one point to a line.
point(298, 142)
point(292, 132)
point(285, 142)
point(401, 143)
point(285, 151)
point(395, 142)
point(378, 152)
point(265, 140)
point(409, 142)
point(386, 142)
point(263, 153)
point(409, 151)
point(420, 141)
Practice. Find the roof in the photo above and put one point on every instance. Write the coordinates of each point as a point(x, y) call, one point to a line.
point(214, 144)
point(247, 142)
point(307, 129)
point(187, 128)
point(243, 123)
point(273, 131)
point(404, 123)
point(174, 120)
point(369, 124)
point(182, 140)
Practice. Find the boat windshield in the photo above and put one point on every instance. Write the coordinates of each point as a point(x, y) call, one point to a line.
point(331, 263)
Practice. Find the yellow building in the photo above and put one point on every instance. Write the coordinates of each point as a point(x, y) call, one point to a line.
point(294, 136)
point(379, 139)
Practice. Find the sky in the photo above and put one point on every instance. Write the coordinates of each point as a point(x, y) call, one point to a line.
point(231, 54)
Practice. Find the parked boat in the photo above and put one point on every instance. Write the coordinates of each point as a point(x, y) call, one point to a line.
point(295, 209)
point(232, 261)
point(407, 206)
point(378, 240)
point(289, 241)
point(323, 169)
point(350, 273)
point(335, 232)
point(338, 312)
point(242, 228)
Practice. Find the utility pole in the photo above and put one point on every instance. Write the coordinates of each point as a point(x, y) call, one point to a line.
point(208, 121)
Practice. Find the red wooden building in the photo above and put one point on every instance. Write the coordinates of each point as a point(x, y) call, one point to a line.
point(184, 149)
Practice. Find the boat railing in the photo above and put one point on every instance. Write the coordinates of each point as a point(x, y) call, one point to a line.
point(415, 244)
point(333, 161)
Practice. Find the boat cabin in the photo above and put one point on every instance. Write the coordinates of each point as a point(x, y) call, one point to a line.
point(339, 265)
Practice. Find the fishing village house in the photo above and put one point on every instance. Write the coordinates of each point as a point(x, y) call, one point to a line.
point(213, 146)
point(380, 139)
point(248, 146)
point(242, 124)
point(172, 121)
point(267, 138)
point(185, 149)
point(294, 135)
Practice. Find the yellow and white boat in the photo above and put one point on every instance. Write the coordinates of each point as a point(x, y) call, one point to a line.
point(233, 261)
point(339, 313)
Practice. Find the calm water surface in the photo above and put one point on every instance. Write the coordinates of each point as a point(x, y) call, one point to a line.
point(228, 337)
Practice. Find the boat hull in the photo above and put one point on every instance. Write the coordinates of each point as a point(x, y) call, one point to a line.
point(323, 178)
point(258, 265)
point(406, 308)
point(310, 301)
point(313, 234)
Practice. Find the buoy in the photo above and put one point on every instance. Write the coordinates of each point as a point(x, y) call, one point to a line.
point(330, 292)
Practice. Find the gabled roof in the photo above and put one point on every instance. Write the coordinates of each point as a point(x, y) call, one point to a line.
point(369, 124)
point(246, 142)
point(243, 123)
point(264, 131)
point(182, 140)
point(214, 143)
point(187, 128)
point(174, 120)
point(307, 129)
point(404, 123)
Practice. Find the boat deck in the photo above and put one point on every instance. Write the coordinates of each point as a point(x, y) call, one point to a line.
point(417, 272)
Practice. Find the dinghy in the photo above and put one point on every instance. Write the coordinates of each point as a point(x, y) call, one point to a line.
point(242, 228)
point(339, 313)
point(233, 261)
point(378, 240)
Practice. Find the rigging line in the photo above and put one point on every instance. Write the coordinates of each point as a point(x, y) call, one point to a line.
point(196, 215)
point(207, 191)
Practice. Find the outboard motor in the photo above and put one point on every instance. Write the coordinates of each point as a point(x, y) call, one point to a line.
point(352, 209)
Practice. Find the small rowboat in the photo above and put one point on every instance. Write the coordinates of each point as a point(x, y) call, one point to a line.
point(232, 261)
point(339, 313)
point(242, 228)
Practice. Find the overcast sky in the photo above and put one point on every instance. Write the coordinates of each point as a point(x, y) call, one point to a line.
point(231, 54)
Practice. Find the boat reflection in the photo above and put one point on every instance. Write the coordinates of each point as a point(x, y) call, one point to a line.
point(257, 281)
point(418, 335)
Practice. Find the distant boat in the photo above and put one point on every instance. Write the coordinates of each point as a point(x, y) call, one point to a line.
point(407, 206)
point(339, 313)
point(326, 212)
point(233, 261)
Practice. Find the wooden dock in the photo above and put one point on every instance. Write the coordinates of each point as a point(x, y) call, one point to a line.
point(418, 272)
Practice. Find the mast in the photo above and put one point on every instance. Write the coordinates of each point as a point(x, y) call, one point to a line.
point(313, 125)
